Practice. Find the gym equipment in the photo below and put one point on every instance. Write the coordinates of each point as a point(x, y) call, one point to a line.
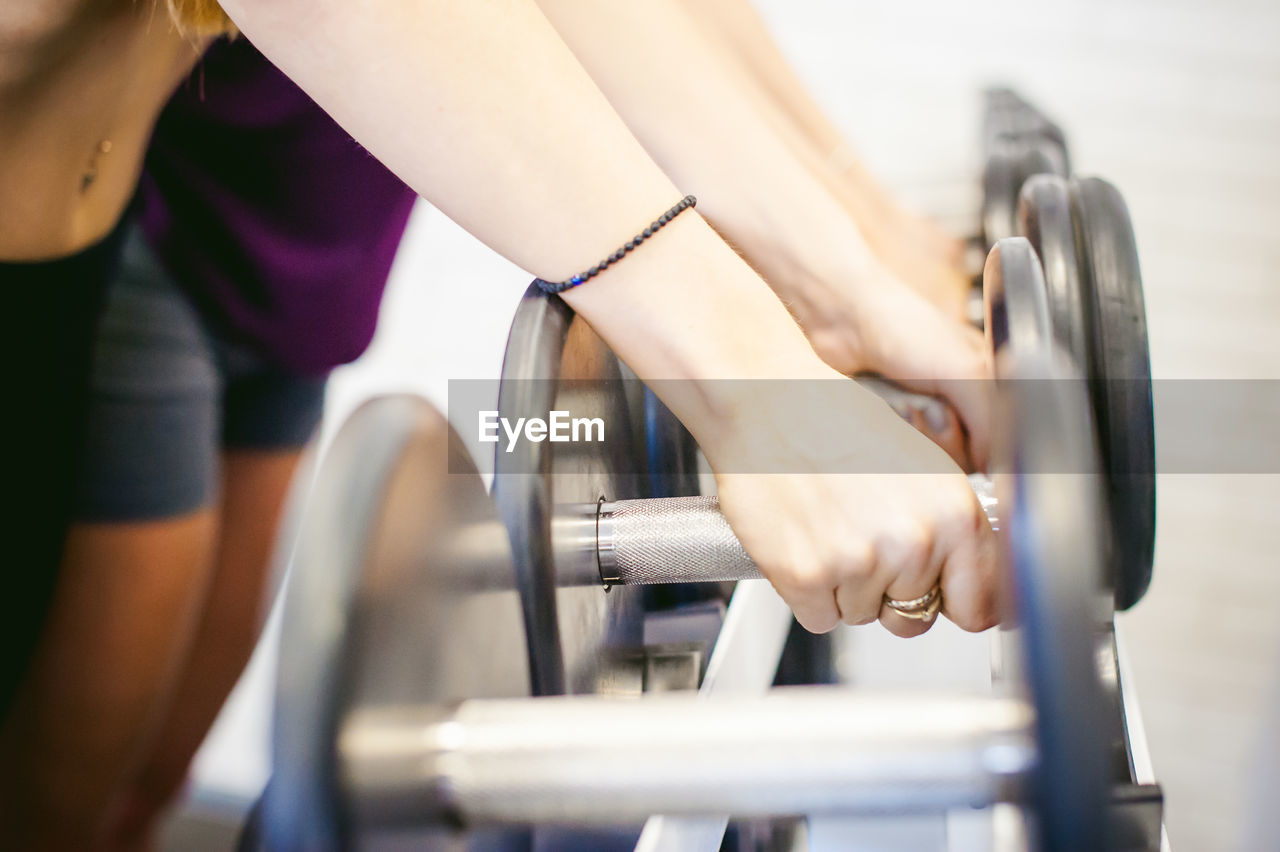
point(401, 594)
point(398, 710)
point(1081, 230)
point(1018, 142)
point(1007, 168)
point(1023, 316)
point(577, 638)
point(1008, 116)
point(1120, 370)
point(670, 451)
point(1045, 219)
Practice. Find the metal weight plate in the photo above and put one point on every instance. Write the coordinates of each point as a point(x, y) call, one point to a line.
point(1052, 544)
point(1045, 219)
point(401, 592)
point(580, 637)
point(1016, 304)
point(1018, 141)
point(1048, 482)
point(1007, 115)
point(1120, 379)
point(1008, 166)
point(671, 452)
point(1000, 184)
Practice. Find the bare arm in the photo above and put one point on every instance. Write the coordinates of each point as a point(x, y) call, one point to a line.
point(737, 28)
point(689, 108)
point(705, 122)
point(484, 111)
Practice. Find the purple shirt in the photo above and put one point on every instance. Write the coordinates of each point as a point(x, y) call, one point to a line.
point(280, 226)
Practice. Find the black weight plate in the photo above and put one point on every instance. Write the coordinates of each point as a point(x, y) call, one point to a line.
point(1045, 219)
point(1052, 545)
point(401, 592)
point(1015, 302)
point(1120, 380)
point(1008, 166)
point(1009, 116)
point(671, 453)
point(579, 636)
point(999, 197)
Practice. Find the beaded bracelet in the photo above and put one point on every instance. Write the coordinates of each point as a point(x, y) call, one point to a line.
point(560, 286)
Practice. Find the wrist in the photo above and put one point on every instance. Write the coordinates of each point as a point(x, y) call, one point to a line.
point(809, 251)
point(696, 323)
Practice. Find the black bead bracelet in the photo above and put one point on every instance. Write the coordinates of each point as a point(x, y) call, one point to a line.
point(560, 286)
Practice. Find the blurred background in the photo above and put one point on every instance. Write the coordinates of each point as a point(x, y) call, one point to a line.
point(1178, 104)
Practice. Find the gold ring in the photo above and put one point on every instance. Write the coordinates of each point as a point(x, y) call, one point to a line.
point(924, 608)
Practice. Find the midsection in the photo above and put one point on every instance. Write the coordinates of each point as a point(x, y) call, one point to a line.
point(81, 85)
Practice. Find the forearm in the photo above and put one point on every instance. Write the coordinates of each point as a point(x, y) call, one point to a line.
point(483, 110)
point(688, 105)
point(737, 26)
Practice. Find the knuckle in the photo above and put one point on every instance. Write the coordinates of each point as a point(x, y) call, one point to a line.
point(857, 613)
point(907, 546)
point(805, 579)
point(960, 516)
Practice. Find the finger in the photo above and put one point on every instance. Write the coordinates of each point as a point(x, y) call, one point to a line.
point(971, 583)
point(971, 397)
point(814, 606)
point(861, 587)
point(966, 389)
point(905, 626)
point(911, 558)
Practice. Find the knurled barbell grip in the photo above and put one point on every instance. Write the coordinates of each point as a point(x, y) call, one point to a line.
point(687, 540)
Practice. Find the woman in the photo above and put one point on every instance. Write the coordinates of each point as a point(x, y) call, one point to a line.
point(482, 109)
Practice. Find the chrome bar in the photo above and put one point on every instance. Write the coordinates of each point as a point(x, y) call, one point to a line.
point(597, 760)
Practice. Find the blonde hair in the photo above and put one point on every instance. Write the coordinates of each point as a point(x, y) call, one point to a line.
point(200, 17)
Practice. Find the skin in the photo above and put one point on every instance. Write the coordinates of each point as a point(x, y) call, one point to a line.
point(787, 219)
point(541, 140)
point(726, 57)
point(254, 488)
point(736, 28)
point(100, 675)
point(102, 732)
point(517, 153)
point(72, 74)
point(101, 738)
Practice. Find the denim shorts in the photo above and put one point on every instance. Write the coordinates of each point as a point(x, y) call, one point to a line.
point(168, 395)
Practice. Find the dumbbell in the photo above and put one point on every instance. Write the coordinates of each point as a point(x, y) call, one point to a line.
point(1082, 232)
point(556, 498)
point(1018, 142)
point(402, 706)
